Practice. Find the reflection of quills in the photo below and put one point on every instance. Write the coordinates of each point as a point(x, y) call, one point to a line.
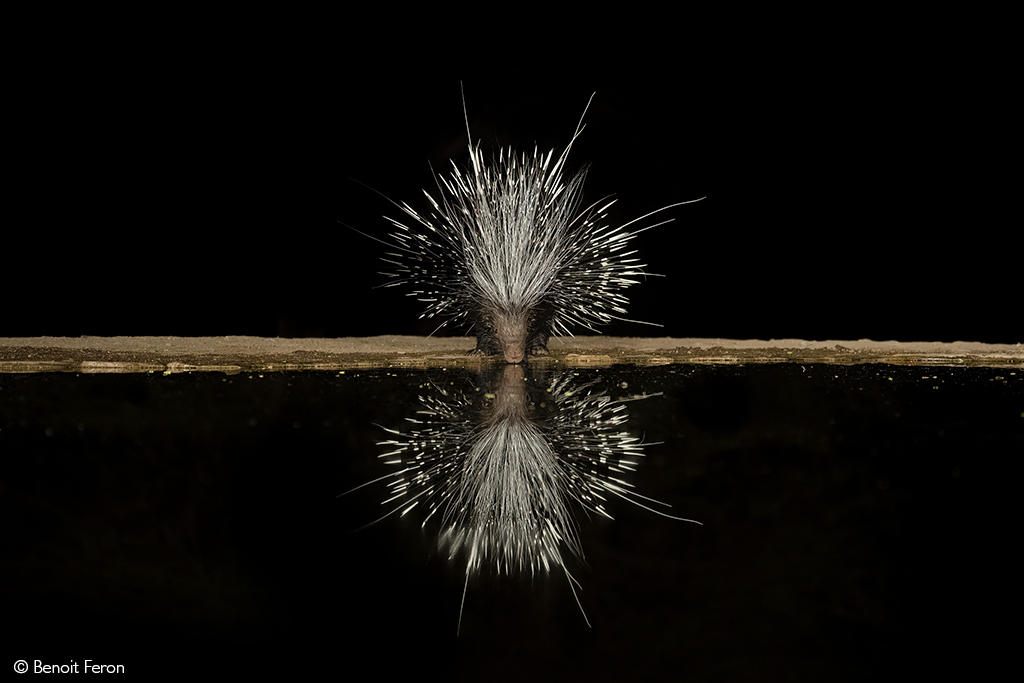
point(506, 250)
point(503, 487)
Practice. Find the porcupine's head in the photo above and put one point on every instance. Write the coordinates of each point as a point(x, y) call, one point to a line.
point(506, 250)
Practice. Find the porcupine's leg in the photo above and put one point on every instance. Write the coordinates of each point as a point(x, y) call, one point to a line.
point(539, 330)
point(486, 345)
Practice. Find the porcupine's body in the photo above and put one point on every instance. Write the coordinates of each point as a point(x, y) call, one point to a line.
point(505, 250)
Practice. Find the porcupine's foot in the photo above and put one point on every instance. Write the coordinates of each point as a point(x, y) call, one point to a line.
point(538, 349)
point(538, 344)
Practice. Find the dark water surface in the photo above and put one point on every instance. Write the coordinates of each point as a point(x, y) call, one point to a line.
point(192, 522)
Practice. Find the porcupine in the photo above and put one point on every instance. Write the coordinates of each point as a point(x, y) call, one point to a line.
point(505, 249)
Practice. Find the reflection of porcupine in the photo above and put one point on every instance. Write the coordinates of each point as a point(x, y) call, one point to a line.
point(502, 479)
point(504, 250)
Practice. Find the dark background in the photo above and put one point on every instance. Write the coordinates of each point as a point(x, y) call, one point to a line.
point(204, 189)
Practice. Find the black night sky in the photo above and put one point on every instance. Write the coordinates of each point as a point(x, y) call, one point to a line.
point(169, 198)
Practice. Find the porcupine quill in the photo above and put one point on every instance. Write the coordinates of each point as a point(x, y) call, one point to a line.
point(506, 251)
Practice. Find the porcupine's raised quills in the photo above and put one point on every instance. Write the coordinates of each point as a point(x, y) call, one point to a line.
point(506, 251)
